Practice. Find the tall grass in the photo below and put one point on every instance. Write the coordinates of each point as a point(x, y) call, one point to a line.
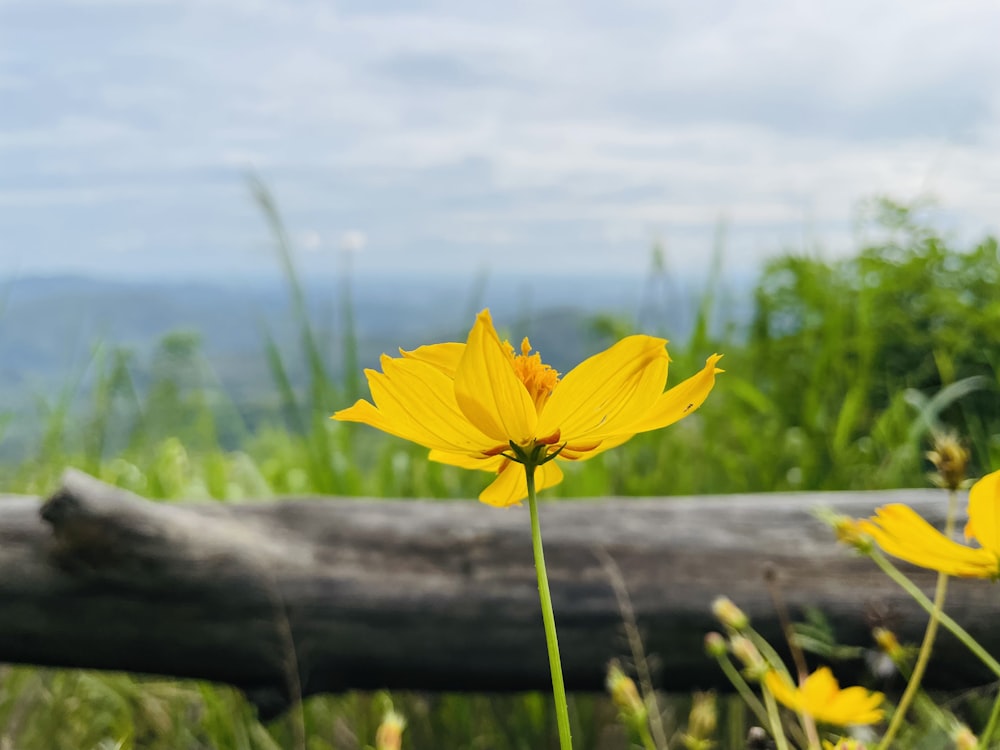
point(833, 384)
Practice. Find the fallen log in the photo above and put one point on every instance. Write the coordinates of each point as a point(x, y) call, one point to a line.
point(299, 596)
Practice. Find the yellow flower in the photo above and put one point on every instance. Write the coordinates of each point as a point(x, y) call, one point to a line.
point(821, 697)
point(901, 532)
point(472, 403)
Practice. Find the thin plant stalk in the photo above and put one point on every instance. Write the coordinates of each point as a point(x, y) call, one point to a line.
point(774, 721)
point(807, 721)
point(744, 690)
point(655, 724)
point(768, 652)
point(921, 598)
point(991, 725)
point(548, 618)
point(927, 645)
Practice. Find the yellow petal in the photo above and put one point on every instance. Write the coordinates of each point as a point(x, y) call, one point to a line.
point(819, 688)
point(901, 532)
point(782, 690)
point(467, 461)
point(820, 696)
point(606, 391)
point(416, 401)
point(581, 451)
point(510, 487)
point(445, 357)
point(672, 406)
point(488, 392)
point(855, 705)
point(984, 512)
point(681, 400)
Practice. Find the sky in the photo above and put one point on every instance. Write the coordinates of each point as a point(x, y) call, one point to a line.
point(455, 137)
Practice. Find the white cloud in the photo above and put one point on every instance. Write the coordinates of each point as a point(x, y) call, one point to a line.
point(523, 126)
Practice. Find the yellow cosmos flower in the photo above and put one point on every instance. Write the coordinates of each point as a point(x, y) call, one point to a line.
point(472, 403)
point(901, 532)
point(820, 697)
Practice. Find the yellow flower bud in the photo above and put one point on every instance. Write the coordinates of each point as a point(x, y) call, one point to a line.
point(965, 739)
point(748, 655)
point(703, 717)
point(850, 531)
point(887, 641)
point(625, 694)
point(729, 614)
point(389, 735)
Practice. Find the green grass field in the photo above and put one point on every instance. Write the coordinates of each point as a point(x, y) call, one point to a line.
point(836, 383)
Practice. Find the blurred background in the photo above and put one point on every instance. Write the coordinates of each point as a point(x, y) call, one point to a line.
point(549, 160)
point(214, 214)
point(443, 138)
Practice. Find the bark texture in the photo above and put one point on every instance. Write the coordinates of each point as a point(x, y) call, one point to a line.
point(304, 595)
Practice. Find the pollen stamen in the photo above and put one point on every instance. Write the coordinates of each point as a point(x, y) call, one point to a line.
point(539, 379)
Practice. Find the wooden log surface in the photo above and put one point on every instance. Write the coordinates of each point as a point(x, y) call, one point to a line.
point(300, 596)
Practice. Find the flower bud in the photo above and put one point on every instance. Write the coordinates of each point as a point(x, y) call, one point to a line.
point(887, 641)
point(703, 717)
point(748, 655)
point(850, 531)
point(715, 645)
point(625, 694)
point(964, 739)
point(729, 614)
point(389, 735)
point(950, 459)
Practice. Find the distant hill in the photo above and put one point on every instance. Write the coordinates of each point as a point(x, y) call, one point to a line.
point(49, 326)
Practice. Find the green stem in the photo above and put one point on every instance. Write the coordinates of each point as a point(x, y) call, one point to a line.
point(930, 633)
point(922, 704)
point(798, 658)
point(991, 725)
point(923, 657)
point(647, 738)
point(777, 731)
point(983, 743)
point(921, 598)
point(548, 618)
point(770, 655)
point(744, 690)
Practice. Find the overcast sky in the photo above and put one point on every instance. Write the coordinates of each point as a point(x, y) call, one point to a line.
point(456, 136)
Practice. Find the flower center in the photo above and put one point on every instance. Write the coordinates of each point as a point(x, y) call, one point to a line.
point(538, 377)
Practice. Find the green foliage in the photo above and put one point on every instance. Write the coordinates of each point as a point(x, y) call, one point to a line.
point(850, 338)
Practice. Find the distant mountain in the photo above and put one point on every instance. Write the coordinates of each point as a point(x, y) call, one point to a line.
point(50, 325)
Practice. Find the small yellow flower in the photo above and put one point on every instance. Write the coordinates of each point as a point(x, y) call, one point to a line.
point(472, 403)
point(820, 697)
point(901, 532)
